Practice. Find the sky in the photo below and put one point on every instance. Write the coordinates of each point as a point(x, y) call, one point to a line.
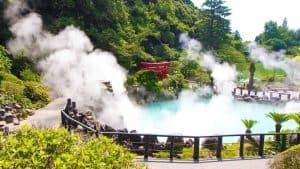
point(249, 16)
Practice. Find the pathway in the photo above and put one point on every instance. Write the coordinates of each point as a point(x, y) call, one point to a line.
point(47, 117)
point(226, 164)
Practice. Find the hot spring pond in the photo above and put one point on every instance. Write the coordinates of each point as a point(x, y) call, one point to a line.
point(218, 115)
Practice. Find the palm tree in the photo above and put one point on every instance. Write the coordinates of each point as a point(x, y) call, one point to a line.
point(278, 118)
point(296, 118)
point(249, 123)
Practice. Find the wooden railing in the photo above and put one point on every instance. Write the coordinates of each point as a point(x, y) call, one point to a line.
point(145, 145)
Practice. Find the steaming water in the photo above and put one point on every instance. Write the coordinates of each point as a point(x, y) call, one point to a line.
point(202, 121)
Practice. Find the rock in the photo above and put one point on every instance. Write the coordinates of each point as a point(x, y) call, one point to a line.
point(9, 118)
point(2, 118)
point(7, 108)
point(2, 123)
point(29, 112)
point(16, 121)
point(2, 112)
point(18, 106)
point(90, 118)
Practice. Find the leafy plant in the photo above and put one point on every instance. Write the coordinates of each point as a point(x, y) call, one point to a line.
point(56, 148)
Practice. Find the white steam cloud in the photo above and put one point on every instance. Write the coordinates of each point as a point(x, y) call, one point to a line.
point(72, 68)
point(224, 75)
point(276, 60)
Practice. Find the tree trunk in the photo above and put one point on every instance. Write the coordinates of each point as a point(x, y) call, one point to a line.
point(277, 130)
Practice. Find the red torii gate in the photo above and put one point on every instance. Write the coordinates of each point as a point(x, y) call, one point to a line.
point(160, 68)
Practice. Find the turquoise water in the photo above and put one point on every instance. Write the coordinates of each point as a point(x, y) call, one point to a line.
point(219, 115)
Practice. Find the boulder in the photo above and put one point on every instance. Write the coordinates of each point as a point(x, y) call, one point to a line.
point(2, 112)
point(7, 108)
point(9, 118)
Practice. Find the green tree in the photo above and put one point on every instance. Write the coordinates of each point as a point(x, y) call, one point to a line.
point(217, 25)
point(5, 62)
point(149, 79)
point(278, 118)
point(251, 77)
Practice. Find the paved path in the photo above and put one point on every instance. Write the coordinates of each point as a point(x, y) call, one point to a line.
point(237, 164)
point(47, 117)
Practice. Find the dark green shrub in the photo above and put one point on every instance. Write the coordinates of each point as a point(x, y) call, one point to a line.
point(56, 148)
point(29, 75)
point(289, 159)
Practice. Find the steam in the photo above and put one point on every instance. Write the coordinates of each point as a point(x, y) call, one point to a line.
point(224, 75)
point(71, 67)
point(276, 60)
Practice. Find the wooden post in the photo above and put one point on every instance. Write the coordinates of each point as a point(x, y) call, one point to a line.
point(242, 140)
point(279, 96)
point(146, 147)
point(73, 106)
point(261, 145)
point(283, 143)
point(271, 95)
point(241, 92)
point(219, 148)
point(255, 93)
point(234, 92)
point(68, 105)
point(171, 148)
point(289, 96)
point(196, 150)
point(298, 138)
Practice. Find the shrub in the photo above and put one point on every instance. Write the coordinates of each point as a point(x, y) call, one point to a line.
point(29, 75)
point(56, 148)
point(289, 159)
point(36, 92)
point(5, 62)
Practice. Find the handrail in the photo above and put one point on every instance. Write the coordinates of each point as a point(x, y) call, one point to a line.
point(65, 115)
point(148, 146)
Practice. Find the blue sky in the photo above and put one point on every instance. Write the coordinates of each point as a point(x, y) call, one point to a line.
point(249, 16)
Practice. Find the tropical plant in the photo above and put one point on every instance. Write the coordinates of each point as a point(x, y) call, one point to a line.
point(278, 118)
point(296, 118)
point(249, 123)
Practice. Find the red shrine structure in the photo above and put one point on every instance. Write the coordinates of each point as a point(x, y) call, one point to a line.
point(160, 68)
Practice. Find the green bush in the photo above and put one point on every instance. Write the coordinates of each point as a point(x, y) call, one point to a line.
point(289, 159)
point(56, 148)
point(29, 75)
point(36, 92)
